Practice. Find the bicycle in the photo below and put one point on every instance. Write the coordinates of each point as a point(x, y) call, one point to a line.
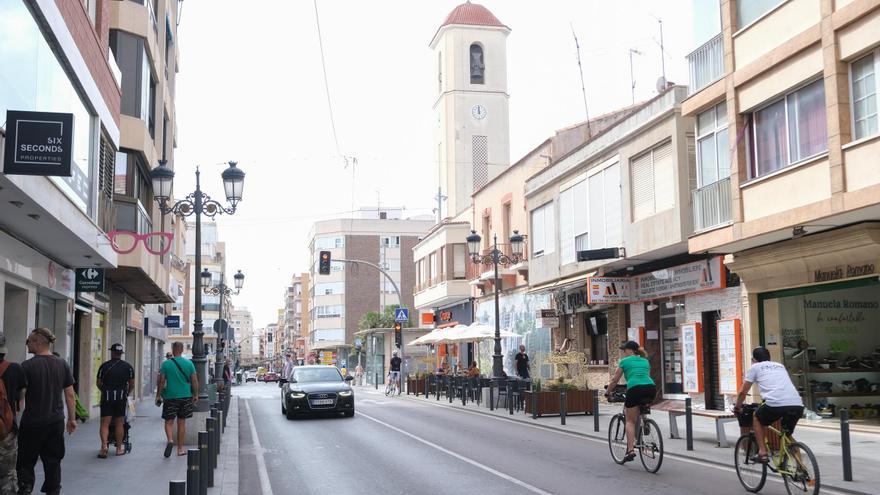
point(794, 461)
point(648, 442)
point(392, 384)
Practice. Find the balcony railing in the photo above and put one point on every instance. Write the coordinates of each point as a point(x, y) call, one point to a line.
point(706, 64)
point(712, 205)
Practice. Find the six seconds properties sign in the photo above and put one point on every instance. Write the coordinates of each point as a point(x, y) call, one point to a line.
point(38, 143)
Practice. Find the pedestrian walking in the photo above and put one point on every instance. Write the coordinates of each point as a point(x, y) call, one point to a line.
point(522, 363)
point(115, 381)
point(288, 367)
point(12, 384)
point(359, 375)
point(41, 434)
point(179, 388)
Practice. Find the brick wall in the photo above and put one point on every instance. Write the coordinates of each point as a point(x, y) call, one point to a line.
point(94, 46)
point(361, 283)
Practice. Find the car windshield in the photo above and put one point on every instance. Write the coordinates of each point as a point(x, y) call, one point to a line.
point(317, 375)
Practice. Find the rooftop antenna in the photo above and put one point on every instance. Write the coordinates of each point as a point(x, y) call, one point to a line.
point(440, 198)
point(581, 71)
point(662, 55)
point(632, 80)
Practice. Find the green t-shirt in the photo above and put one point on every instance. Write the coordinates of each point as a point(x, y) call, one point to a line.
point(177, 386)
point(636, 370)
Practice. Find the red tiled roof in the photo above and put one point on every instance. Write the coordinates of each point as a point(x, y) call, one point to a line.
point(472, 14)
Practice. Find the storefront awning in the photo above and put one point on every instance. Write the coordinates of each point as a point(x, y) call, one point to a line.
point(563, 283)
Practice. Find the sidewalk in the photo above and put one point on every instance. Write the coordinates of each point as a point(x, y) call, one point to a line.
point(825, 443)
point(144, 471)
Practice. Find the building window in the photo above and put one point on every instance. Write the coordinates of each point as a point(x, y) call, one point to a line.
point(597, 333)
point(606, 213)
point(391, 241)
point(713, 152)
point(543, 231)
point(334, 242)
point(433, 274)
point(573, 221)
point(653, 187)
point(747, 11)
point(478, 65)
point(459, 261)
point(864, 95)
point(334, 311)
point(328, 288)
point(788, 130)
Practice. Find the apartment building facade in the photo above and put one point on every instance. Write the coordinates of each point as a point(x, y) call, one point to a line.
point(785, 100)
point(242, 324)
point(337, 302)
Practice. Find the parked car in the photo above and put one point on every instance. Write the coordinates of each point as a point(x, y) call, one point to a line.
point(250, 376)
point(270, 376)
point(316, 389)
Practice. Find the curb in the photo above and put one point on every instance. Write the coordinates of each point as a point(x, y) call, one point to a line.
point(602, 437)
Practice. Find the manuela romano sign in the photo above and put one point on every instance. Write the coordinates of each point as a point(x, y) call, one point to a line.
point(843, 272)
point(38, 143)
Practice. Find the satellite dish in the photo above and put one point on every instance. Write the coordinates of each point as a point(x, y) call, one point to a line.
point(661, 84)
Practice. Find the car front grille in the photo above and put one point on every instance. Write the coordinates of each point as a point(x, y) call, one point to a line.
point(320, 396)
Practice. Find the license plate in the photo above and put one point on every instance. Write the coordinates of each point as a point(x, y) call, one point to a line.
point(321, 402)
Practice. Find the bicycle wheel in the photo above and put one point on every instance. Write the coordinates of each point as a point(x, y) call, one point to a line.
point(752, 475)
point(617, 438)
point(806, 470)
point(651, 448)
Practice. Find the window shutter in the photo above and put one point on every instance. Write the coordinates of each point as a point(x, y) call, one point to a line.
point(613, 207)
point(537, 230)
point(597, 211)
point(581, 208)
point(642, 175)
point(566, 226)
point(549, 228)
point(664, 178)
point(458, 261)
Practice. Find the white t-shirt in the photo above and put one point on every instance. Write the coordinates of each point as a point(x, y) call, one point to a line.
point(775, 385)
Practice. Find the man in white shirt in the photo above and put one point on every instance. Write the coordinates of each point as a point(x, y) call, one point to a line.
point(781, 398)
point(288, 367)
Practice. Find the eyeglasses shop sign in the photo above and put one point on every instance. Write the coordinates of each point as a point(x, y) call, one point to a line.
point(38, 143)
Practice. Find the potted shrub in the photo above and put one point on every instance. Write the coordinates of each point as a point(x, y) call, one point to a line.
point(545, 399)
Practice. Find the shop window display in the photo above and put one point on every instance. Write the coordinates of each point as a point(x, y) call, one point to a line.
point(672, 316)
point(830, 344)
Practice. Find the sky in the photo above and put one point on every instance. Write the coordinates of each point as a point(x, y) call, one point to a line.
point(251, 88)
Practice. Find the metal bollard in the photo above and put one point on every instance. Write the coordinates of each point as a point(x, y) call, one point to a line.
point(404, 385)
point(210, 424)
point(562, 405)
point(221, 417)
point(689, 423)
point(845, 445)
point(535, 403)
point(204, 462)
point(376, 380)
point(450, 389)
point(426, 386)
point(192, 472)
point(465, 389)
point(595, 410)
point(177, 488)
point(510, 398)
point(215, 414)
point(492, 395)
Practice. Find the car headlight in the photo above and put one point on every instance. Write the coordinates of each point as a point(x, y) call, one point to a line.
point(297, 395)
point(345, 393)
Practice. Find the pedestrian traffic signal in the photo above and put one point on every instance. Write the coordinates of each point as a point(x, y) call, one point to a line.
point(398, 335)
point(324, 263)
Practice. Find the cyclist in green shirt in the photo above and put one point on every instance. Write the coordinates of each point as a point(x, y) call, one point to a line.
point(640, 388)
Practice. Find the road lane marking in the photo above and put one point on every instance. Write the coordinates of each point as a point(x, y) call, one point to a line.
point(468, 460)
point(597, 440)
point(265, 486)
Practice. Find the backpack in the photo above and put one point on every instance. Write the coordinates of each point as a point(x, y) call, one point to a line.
point(7, 419)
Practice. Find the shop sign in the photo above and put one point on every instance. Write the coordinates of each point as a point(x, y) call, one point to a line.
point(172, 321)
point(729, 356)
point(692, 358)
point(90, 280)
point(549, 322)
point(38, 143)
point(608, 290)
point(682, 279)
point(575, 300)
point(841, 272)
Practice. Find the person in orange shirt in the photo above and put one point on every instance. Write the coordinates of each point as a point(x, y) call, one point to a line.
point(473, 371)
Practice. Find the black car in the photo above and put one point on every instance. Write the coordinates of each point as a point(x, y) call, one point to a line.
point(316, 389)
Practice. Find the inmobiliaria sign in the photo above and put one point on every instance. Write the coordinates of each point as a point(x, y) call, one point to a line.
point(682, 279)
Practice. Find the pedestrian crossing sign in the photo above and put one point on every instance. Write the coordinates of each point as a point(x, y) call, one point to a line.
point(401, 315)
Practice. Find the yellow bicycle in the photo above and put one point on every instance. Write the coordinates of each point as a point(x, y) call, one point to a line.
point(794, 461)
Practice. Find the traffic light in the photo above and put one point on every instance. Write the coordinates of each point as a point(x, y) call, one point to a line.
point(324, 263)
point(398, 335)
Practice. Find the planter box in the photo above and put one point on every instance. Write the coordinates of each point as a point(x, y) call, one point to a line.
point(414, 386)
point(547, 401)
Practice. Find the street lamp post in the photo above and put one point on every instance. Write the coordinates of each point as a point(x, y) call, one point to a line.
point(223, 291)
point(496, 257)
point(197, 203)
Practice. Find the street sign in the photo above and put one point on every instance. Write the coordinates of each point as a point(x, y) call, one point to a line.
point(90, 280)
point(172, 321)
point(401, 315)
point(220, 326)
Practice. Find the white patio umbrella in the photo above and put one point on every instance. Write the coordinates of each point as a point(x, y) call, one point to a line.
point(480, 332)
point(431, 338)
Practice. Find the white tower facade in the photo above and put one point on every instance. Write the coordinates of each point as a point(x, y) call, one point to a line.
point(471, 108)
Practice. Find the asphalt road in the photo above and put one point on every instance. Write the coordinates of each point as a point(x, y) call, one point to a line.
point(403, 446)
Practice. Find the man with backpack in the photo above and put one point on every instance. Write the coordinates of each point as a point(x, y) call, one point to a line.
point(41, 433)
point(115, 381)
point(179, 388)
point(12, 384)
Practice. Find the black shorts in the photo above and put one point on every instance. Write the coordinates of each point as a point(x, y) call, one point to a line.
point(177, 408)
point(114, 408)
point(789, 415)
point(640, 395)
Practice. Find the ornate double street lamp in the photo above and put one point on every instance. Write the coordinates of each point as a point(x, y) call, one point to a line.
point(496, 257)
point(223, 291)
point(198, 203)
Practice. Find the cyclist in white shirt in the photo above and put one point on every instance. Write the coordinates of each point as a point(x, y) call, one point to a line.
point(781, 398)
